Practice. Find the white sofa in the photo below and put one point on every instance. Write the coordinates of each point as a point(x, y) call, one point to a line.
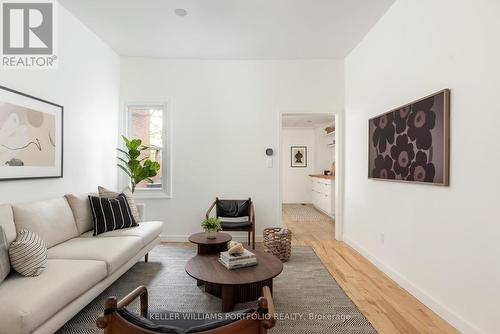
point(79, 266)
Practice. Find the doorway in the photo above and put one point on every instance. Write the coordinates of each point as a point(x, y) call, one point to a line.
point(307, 175)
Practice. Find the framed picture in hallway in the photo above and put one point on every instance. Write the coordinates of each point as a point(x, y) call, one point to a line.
point(298, 156)
point(31, 137)
point(411, 143)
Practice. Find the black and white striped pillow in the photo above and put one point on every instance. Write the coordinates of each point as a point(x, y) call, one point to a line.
point(28, 253)
point(111, 213)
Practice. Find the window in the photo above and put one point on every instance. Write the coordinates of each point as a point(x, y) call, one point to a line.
point(150, 123)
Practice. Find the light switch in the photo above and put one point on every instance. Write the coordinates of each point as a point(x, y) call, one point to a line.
point(269, 162)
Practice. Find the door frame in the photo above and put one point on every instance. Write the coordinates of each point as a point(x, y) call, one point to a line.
point(339, 168)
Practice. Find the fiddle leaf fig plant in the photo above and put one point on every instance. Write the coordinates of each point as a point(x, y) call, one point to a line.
point(137, 169)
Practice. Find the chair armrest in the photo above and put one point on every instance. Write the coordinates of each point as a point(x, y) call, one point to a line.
point(266, 306)
point(270, 303)
point(142, 292)
point(141, 208)
point(210, 209)
point(252, 213)
point(111, 305)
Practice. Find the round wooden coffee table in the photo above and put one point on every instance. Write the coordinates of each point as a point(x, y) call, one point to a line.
point(209, 246)
point(237, 285)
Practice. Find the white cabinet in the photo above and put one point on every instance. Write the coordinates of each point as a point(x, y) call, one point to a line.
point(322, 194)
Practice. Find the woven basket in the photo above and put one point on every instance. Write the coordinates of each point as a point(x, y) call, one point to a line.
point(278, 241)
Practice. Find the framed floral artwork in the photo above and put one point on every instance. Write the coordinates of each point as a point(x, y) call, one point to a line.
point(298, 156)
point(411, 143)
point(31, 137)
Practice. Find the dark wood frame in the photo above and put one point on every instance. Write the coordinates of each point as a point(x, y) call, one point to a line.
point(62, 136)
point(112, 323)
point(291, 156)
point(210, 246)
point(446, 139)
point(251, 216)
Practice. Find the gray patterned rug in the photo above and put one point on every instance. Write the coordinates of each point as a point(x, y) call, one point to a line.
point(304, 213)
point(306, 295)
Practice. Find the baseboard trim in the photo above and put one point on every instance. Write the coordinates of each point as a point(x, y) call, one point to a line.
point(452, 318)
point(184, 238)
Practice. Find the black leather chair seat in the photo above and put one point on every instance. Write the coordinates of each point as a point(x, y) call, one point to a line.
point(179, 323)
point(234, 224)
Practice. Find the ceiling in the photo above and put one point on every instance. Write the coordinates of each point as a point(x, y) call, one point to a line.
point(230, 29)
point(307, 120)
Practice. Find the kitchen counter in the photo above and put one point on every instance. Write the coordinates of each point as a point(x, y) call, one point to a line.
point(321, 176)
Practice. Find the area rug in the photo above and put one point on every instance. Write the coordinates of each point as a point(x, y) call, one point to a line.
point(304, 213)
point(306, 296)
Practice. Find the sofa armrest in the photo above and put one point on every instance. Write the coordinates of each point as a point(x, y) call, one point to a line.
point(141, 207)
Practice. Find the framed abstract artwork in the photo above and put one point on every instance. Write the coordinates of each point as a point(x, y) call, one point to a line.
point(298, 156)
point(31, 137)
point(411, 143)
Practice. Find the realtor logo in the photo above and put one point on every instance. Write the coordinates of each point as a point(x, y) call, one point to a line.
point(28, 30)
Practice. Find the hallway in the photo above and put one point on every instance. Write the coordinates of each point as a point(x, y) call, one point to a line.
point(307, 223)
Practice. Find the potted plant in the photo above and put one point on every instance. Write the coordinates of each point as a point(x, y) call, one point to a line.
point(137, 169)
point(211, 225)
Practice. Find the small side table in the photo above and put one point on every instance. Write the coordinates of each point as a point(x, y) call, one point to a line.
point(210, 246)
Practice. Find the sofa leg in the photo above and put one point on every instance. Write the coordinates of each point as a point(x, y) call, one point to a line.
point(146, 257)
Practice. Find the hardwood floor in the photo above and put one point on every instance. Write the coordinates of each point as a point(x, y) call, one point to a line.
point(387, 306)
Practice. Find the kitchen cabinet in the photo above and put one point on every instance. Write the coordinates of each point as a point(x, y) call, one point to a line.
point(323, 196)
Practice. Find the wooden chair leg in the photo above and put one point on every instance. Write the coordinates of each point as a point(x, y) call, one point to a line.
point(146, 257)
point(253, 240)
point(248, 238)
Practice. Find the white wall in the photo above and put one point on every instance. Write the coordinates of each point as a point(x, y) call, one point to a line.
point(296, 181)
point(225, 114)
point(325, 154)
point(441, 243)
point(87, 85)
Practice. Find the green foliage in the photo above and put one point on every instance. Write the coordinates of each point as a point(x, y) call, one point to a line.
point(211, 224)
point(138, 170)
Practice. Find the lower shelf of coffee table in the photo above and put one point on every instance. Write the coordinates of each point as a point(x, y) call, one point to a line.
point(233, 294)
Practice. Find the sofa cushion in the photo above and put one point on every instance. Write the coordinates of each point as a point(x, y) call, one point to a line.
point(27, 302)
point(7, 222)
point(82, 213)
point(114, 251)
point(105, 193)
point(28, 254)
point(147, 231)
point(52, 220)
point(111, 214)
point(4, 256)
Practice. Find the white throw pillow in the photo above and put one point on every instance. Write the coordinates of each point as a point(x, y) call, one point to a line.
point(105, 193)
point(28, 253)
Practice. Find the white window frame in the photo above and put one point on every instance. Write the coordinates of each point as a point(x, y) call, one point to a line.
point(166, 189)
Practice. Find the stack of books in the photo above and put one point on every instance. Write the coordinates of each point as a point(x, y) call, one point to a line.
point(245, 259)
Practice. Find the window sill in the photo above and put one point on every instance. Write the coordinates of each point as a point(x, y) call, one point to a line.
point(139, 195)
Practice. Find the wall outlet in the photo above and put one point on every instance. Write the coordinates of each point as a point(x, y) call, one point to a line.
point(382, 238)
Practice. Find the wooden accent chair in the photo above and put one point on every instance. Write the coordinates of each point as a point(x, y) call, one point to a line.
point(235, 215)
point(117, 320)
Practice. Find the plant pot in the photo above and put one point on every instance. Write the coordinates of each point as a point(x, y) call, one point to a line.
point(211, 234)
